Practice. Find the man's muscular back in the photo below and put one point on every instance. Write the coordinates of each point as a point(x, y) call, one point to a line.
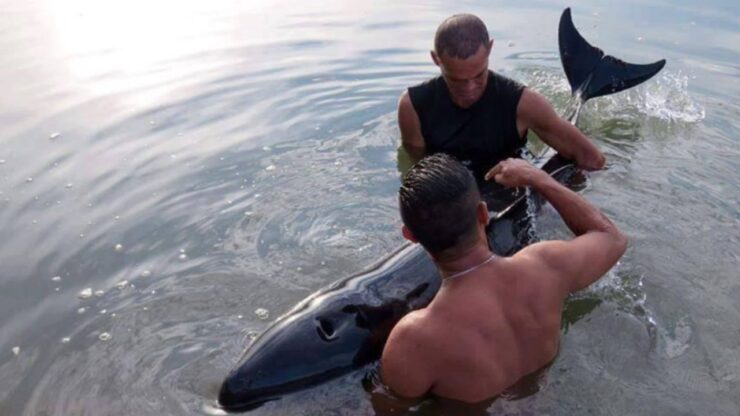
point(499, 319)
point(485, 330)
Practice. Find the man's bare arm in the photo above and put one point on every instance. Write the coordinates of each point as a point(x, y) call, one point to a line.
point(598, 244)
point(408, 121)
point(535, 112)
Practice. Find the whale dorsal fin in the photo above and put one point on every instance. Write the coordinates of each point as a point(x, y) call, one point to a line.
point(592, 73)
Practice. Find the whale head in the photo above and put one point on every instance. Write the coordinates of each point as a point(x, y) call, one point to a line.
point(308, 347)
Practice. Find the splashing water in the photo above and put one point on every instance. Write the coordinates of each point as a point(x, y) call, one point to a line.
point(666, 97)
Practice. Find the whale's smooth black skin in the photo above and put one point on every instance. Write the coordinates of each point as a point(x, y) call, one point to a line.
point(344, 326)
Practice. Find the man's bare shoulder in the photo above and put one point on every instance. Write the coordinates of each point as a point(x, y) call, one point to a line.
point(402, 365)
point(533, 106)
point(533, 266)
point(411, 329)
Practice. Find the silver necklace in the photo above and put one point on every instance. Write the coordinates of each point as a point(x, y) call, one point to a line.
point(466, 271)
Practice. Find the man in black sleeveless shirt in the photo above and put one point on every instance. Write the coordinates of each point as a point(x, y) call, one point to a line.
point(476, 115)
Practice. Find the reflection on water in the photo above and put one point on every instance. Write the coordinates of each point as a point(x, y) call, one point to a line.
point(176, 175)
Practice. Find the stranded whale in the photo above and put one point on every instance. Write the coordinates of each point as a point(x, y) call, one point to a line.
point(345, 326)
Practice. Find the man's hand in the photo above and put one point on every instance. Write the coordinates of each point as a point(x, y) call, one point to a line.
point(514, 173)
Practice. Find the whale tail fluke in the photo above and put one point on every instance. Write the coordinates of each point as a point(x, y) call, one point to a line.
point(590, 72)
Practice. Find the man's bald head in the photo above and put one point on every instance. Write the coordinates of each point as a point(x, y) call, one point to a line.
point(460, 36)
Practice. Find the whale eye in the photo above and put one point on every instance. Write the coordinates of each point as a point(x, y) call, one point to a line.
point(326, 330)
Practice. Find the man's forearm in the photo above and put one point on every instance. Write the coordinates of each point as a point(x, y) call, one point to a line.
point(579, 214)
point(584, 152)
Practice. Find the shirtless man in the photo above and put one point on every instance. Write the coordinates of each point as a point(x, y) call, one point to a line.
point(479, 116)
point(495, 319)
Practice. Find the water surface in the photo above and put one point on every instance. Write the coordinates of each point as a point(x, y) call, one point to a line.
point(201, 167)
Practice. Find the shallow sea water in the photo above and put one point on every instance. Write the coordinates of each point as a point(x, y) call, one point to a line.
point(176, 175)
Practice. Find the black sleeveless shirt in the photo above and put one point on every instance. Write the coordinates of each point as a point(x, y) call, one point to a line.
point(479, 136)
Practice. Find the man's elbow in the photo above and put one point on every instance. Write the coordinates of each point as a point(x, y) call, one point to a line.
point(622, 242)
point(618, 245)
point(592, 160)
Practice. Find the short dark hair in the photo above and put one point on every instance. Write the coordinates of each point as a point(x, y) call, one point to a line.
point(438, 201)
point(460, 36)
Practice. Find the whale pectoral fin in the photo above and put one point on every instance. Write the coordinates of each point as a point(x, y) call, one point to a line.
point(590, 72)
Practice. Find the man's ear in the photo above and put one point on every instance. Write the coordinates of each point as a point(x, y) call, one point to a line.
point(483, 216)
point(407, 234)
point(435, 57)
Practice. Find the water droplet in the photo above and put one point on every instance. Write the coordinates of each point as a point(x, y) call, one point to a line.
point(510, 44)
point(266, 148)
point(299, 268)
point(323, 263)
point(247, 213)
point(55, 135)
point(639, 38)
point(153, 292)
point(229, 202)
point(16, 350)
point(69, 185)
point(113, 315)
point(56, 279)
point(183, 257)
point(256, 195)
point(35, 221)
point(56, 289)
point(122, 284)
point(103, 311)
point(2, 161)
point(182, 250)
point(86, 293)
point(146, 273)
point(145, 308)
point(239, 316)
point(81, 310)
point(82, 235)
point(29, 179)
point(270, 168)
point(262, 313)
point(118, 247)
point(117, 218)
point(65, 340)
point(99, 293)
point(252, 335)
point(152, 122)
point(104, 336)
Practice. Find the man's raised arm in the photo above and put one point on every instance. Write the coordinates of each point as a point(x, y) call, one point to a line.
point(598, 244)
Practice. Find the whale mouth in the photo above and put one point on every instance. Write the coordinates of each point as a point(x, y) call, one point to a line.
point(235, 399)
point(242, 390)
